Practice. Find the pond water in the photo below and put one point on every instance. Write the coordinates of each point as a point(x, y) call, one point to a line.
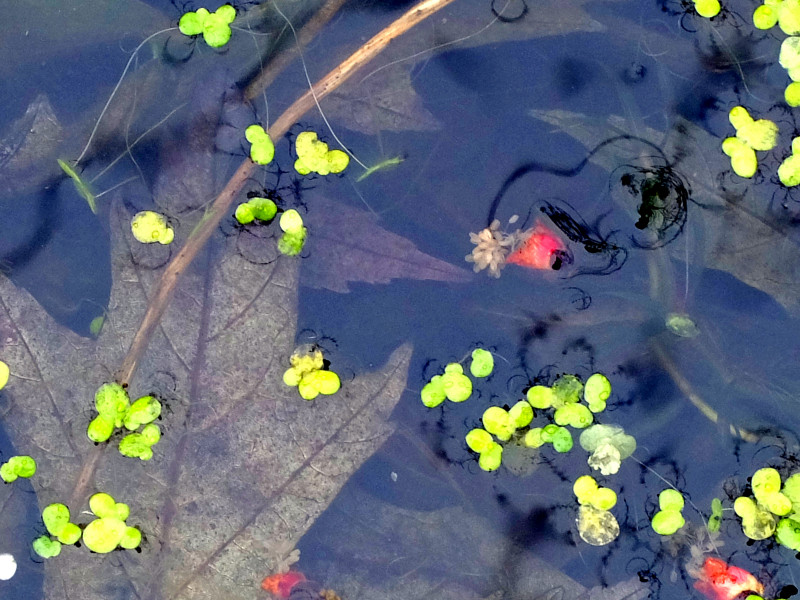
point(562, 114)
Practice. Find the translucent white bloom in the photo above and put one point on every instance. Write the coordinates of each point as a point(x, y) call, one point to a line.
point(8, 566)
point(492, 246)
point(605, 458)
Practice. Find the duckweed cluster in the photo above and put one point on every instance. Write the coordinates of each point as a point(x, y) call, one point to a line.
point(313, 156)
point(294, 233)
point(774, 509)
point(149, 227)
point(490, 453)
point(453, 384)
point(707, 8)
point(262, 209)
point(262, 150)
point(669, 519)
point(309, 375)
point(565, 394)
point(559, 436)
point(596, 524)
point(506, 424)
point(789, 170)
point(215, 27)
point(115, 411)
point(17, 466)
point(502, 424)
point(751, 135)
point(784, 13)
point(109, 530)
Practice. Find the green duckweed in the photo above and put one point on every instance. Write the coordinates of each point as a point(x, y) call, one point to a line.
point(715, 520)
point(17, 466)
point(313, 156)
point(215, 27)
point(294, 235)
point(707, 8)
point(789, 169)
point(482, 363)
point(479, 440)
point(5, 372)
point(784, 13)
point(149, 227)
point(262, 209)
point(262, 150)
point(668, 519)
point(596, 392)
point(109, 531)
point(308, 375)
point(46, 547)
point(498, 422)
point(433, 392)
point(491, 459)
point(140, 445)
point(457, 386)
point(751, 135)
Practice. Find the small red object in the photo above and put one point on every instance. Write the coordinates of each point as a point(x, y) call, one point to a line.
point(280, 584)
point(536, 252)
point(720, 581)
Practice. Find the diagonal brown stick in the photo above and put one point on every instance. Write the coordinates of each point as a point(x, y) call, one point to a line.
point(166, 288)
point(279, 63)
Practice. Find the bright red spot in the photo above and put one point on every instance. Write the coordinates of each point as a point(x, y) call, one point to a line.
point(281, 584)
point(536, 252)
point(719, 581)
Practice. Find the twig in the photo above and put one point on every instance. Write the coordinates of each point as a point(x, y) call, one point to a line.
point(169, 279)
point(700, 404)
point(307, 33)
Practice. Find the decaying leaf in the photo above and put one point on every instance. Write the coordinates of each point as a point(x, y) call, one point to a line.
point(347, 245)
point(244, 465)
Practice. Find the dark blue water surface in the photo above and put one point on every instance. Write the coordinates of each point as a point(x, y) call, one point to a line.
point(669, 78)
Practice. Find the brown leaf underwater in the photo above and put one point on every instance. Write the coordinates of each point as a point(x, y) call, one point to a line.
point(244, 465)
point(348, 245)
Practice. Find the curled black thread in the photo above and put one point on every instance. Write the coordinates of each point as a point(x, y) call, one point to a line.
point(535, 167)
point(662, 200)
